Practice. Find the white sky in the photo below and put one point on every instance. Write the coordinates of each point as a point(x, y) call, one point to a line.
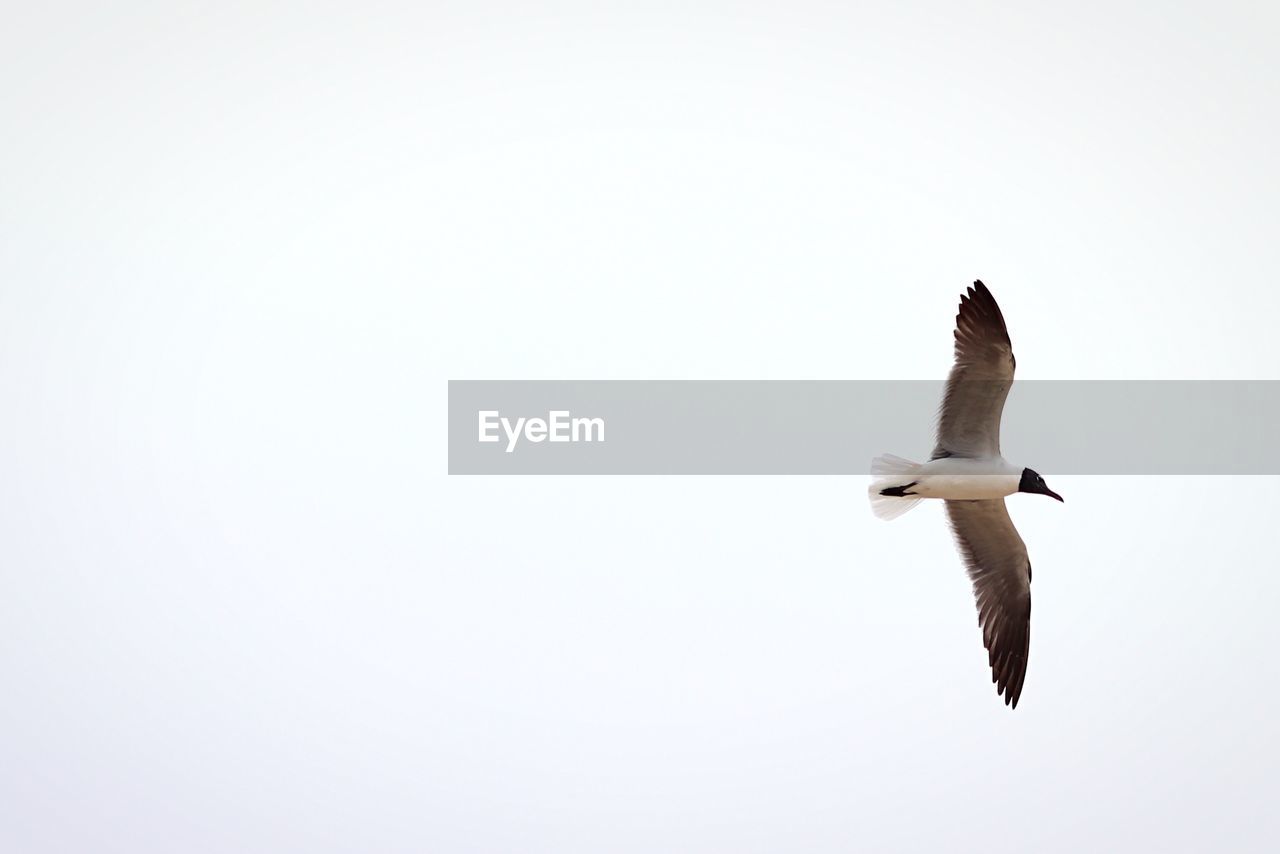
point(244, 609)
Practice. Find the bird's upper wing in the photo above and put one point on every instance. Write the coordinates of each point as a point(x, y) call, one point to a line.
point(969, 421)
point(997, 562)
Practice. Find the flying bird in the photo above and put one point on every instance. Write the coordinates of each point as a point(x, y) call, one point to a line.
point(967, 471)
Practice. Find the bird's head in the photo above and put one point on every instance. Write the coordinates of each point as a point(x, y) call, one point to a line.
point(1032, 482)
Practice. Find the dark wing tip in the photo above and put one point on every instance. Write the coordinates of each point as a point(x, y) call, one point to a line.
point(1009, 660)
point(979, 316)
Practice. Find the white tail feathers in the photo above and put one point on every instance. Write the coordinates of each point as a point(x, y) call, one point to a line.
point(888, 464)
point(890, 471)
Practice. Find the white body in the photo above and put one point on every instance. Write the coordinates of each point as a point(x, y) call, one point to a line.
point(948, 478)
point(952, 477)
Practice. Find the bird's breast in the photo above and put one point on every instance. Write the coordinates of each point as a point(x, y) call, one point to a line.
point(967, 479)
point(967, 487)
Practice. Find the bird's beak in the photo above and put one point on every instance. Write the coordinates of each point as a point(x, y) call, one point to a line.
point(1052, 494)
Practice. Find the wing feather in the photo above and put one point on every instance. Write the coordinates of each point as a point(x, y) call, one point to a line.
point(969, 419)
point(996, 559)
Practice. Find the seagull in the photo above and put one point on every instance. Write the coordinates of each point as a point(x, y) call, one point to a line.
point(969, 474)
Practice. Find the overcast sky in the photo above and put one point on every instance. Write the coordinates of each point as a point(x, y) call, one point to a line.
point(243, 608)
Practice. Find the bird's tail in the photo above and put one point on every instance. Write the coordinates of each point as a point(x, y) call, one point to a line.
point(892, 475)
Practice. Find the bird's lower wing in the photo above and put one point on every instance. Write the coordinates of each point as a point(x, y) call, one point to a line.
point(996, 559)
